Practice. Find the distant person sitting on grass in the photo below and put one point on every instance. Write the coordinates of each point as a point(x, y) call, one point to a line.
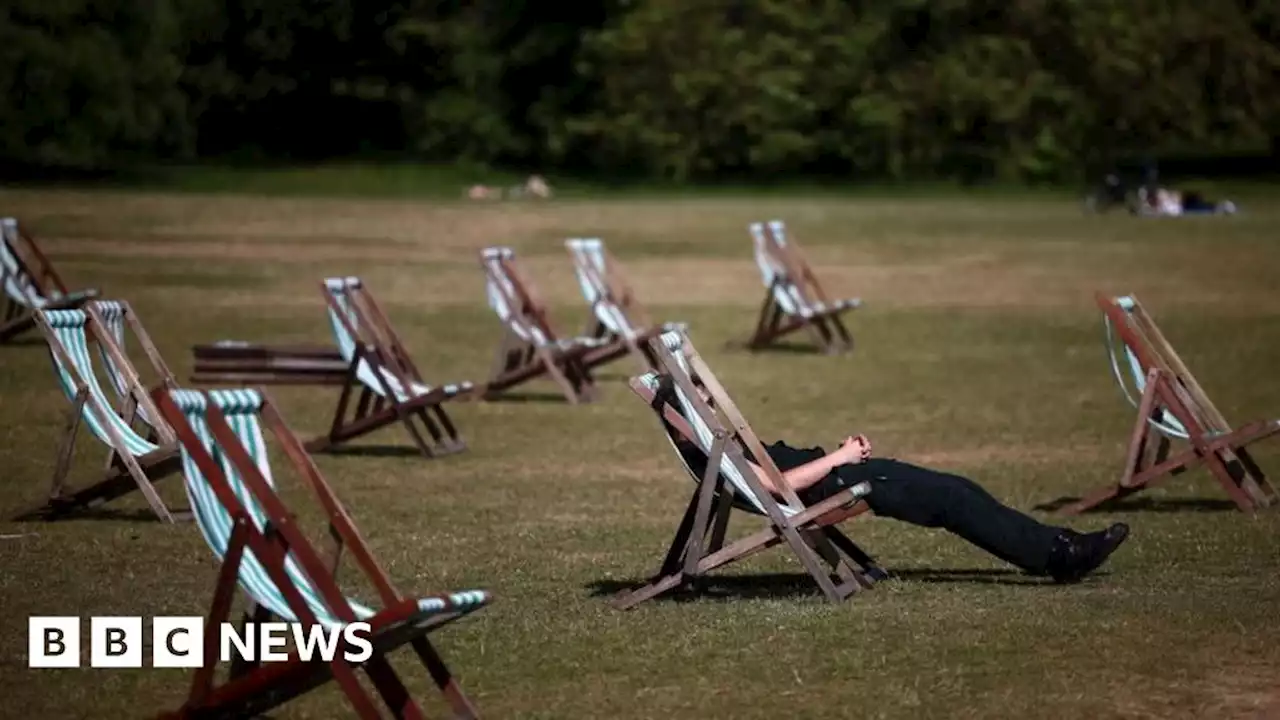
point(932, 499)
point(536, 186)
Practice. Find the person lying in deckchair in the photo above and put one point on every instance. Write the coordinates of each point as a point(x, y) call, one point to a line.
point(933, 499)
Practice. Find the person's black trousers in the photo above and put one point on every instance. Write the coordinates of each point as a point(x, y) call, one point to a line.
point(929, 498)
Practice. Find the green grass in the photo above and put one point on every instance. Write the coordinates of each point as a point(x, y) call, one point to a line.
point(405, 179)
point(979, 351)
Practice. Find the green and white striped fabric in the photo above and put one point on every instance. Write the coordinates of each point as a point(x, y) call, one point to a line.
point(242, 408)
point(774, 274)
point(69, 328)
point(1167, 423)
point(112, 314)
point(339, 289)
point(17, 284)
point(590, 252)
point(501, 291)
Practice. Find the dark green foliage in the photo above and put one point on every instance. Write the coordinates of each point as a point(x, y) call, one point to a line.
point(85, 82)
point(1026, 90)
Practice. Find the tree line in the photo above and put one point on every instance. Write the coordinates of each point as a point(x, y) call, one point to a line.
point(673, 89)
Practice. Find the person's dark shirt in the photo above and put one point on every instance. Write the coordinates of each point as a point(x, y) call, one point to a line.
point(784, 456)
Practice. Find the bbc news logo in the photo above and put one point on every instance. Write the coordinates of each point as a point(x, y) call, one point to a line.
point(178, 642)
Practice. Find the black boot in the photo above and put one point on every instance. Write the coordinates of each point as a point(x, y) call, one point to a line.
point(1075, 555)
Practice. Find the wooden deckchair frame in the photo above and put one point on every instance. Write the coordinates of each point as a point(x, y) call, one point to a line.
point(164, 376)
point(244, 364)
point(699, 543)
point(614, 285)
point(254, 689)
point(518, 360)
point(1171, 390)
point(826, 327)
point(378, 345)
point(123, 471)
point(17, 317)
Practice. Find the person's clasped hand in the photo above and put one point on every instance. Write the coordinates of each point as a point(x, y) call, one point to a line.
point(855, 448)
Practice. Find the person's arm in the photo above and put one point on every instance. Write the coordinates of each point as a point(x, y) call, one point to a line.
point(853, 451)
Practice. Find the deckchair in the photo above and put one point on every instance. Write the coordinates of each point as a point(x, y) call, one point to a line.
point(1172, 406)
point(390, 386)
point(530, 347)
point(241, 363)
point(120, 320)
point(134, 461)
point(30, 282)
point(617, 318)
point(264, 552)
point(794, 299)
point(719, 431)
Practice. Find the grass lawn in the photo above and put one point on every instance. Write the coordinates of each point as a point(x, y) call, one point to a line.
point(979, 351)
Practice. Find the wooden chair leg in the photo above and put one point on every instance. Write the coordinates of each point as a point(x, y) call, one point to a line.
point(764, 320)
point(66, 449)
point(819, 543)
point(670, 574)
point(223, 595)
point(148, 489)
point(254, 614)
point(809, 559)
point(391, 689)
point(720, 526)
point(1267, 493)
point(842, 332)
point(563, 371)
point(444, 680)
point(707, 491)
point(817, 327)
point(406, 419)
point(454, 438)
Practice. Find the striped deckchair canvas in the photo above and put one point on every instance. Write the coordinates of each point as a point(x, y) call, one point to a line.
point(29, 282)
point(530, 347)
point(617, 318)
point(794, 298)
point(263, 552)
point(1172, 407)
point(134, 460)
point(390, 388)
point(119, 319)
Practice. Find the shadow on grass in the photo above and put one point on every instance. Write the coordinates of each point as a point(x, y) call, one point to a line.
point(96, 514)
point(792, 585)
point(788, 348)
point(23, 342)
point(974, 576)
point(527, 397)
point(372, 451)
point(1146, 504)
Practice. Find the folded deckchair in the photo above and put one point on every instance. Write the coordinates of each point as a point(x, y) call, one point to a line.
point(390, 387)
point(794, 299)
point(530, 348)
point(241, 363)
point(134, 461)
point(720, 433)
point(1172, 406)
point(617, 318)
point(279, 570)
point(30, 282)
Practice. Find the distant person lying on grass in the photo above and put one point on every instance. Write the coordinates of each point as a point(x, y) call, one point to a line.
point(1166, 202)
point(932, 499)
